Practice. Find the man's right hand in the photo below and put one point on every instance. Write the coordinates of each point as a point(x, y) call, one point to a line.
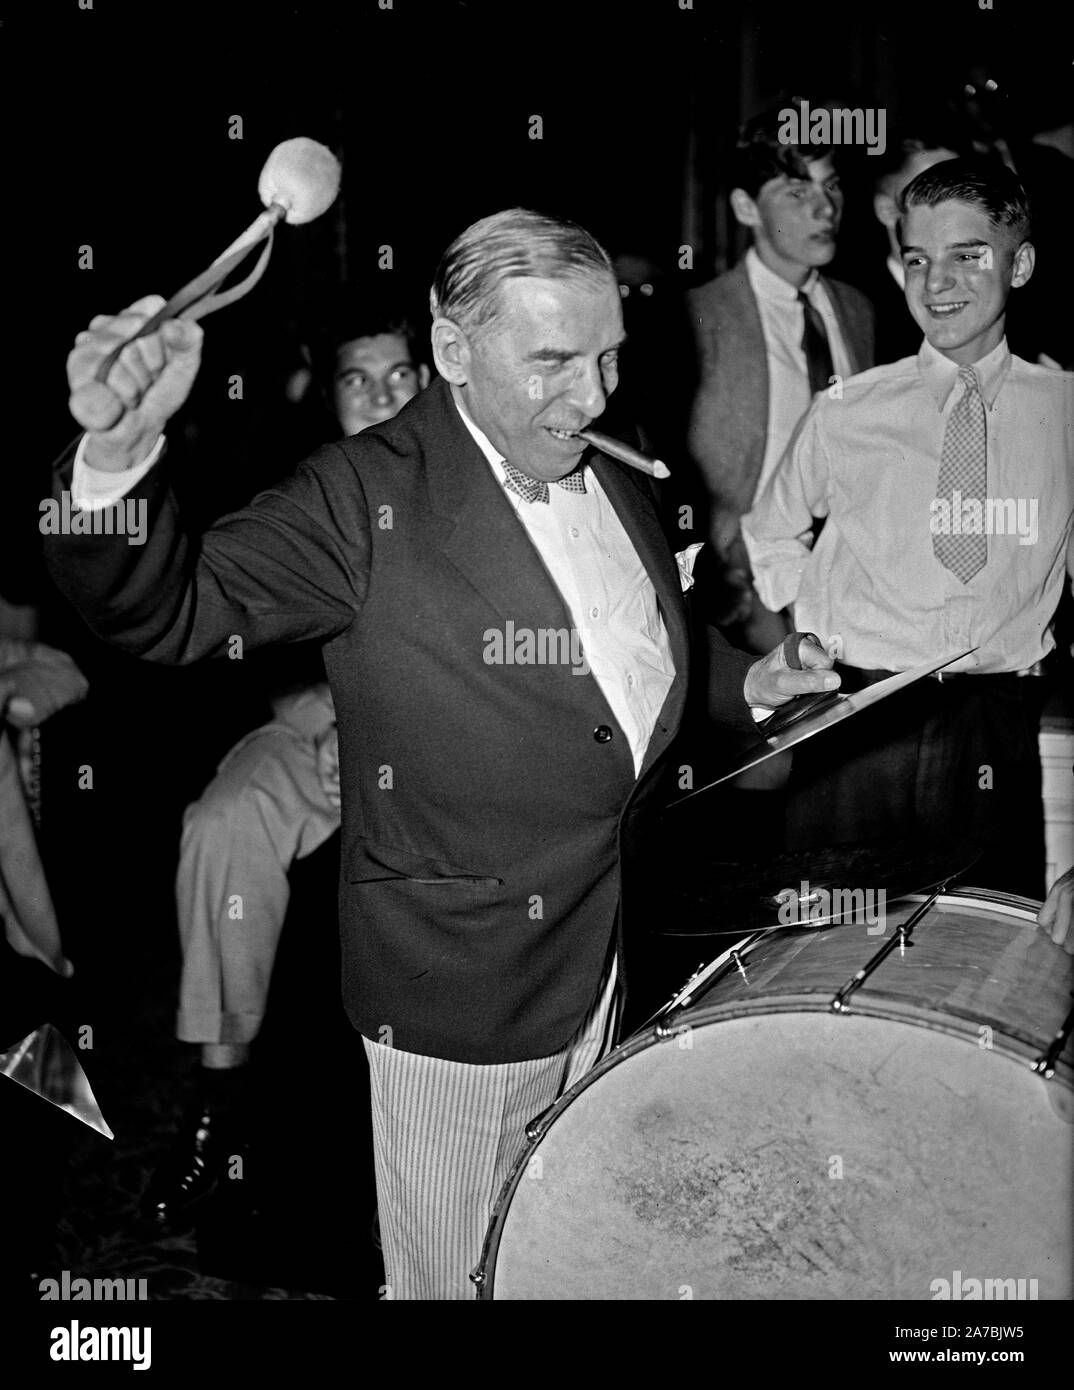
point(150, 380)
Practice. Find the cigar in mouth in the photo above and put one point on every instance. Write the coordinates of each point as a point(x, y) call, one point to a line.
point(616, 449)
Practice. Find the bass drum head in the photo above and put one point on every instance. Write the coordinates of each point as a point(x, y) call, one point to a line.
point(795, 1155)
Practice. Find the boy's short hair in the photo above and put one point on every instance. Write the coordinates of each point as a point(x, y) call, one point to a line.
point(985, 183)
point(760, 155)
point(363, 316)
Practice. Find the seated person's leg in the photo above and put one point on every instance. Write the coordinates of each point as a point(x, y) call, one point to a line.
point(266, 807)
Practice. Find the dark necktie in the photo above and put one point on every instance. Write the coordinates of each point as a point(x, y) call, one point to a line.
point(818, 354)
point(534, 489)
point(963, 469)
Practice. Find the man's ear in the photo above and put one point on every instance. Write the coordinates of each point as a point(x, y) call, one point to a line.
point(423, 376)
point(744, 208)
point(451, 351)
point(1025, 258)
point(886, 209)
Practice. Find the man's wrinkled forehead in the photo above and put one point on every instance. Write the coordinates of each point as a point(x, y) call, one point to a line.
point(523, 300)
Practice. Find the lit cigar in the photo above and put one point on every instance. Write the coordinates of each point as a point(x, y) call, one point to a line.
point(615, 449)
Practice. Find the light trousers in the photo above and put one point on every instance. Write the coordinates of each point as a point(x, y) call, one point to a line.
point(445, 1138)
point(265, 808)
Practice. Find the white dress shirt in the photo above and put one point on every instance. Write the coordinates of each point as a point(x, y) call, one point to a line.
point(607, 592)
point(783, 323)
point(870, 463)
point(93, 489)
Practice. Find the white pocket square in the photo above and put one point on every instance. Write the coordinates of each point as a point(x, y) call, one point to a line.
point(685, 560)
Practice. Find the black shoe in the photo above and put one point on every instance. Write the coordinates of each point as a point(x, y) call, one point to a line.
point(210, 1134)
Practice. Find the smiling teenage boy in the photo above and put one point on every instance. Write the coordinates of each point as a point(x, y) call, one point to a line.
point(926, 470)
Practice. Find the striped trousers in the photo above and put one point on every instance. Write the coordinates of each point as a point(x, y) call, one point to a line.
point(445, 1137)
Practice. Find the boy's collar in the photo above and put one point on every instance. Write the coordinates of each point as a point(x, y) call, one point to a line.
point(773, 286)
point(939, 373)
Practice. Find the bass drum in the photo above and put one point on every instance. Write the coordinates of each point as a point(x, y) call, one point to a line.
point(819, 1123)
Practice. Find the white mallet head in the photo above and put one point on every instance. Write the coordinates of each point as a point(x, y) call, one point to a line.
point(302, 177)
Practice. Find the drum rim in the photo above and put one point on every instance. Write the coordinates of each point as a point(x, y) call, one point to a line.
point(1012, 905)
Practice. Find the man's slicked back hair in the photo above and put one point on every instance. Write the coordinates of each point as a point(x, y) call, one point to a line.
point(984, 183)
point(515, 244)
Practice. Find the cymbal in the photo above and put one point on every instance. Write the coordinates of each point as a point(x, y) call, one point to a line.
point(807, 715)
point(811, 888)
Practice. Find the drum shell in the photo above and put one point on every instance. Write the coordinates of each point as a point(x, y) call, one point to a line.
point(765, 1147)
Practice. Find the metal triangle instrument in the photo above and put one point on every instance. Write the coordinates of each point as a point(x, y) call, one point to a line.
point(45, 1063)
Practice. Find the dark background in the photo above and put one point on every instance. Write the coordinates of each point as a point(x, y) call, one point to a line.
point(118, 138)
point(117, 125)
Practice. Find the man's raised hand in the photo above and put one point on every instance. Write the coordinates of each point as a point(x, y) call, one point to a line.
point(147, 384)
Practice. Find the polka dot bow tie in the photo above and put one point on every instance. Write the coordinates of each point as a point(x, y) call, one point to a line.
point(534, 489)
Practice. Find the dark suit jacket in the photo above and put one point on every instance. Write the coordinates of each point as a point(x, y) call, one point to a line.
point(483, 823)
point(729, 422)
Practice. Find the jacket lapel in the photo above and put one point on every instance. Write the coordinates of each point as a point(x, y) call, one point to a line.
point(740, 426)
point(478, 529)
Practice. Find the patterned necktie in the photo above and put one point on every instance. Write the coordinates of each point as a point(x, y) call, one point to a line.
point(533, 489)
point(963, 470)
point(818, 354)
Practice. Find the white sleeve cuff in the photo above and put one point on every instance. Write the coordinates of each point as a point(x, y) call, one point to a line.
point(92, 489)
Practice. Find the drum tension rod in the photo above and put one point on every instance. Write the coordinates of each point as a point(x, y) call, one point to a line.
point(707, 975)
point(539, 1123)
point(900, 938)
point(1045, 1063)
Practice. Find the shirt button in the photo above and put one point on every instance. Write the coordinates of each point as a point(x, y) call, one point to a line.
point(575, 533)
point(594, 612)
point(630, 678)
point(602, 733)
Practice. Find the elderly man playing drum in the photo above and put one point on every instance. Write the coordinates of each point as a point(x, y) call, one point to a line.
point(506, 641)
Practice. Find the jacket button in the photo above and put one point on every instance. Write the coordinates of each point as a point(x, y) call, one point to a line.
point(602, 733)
